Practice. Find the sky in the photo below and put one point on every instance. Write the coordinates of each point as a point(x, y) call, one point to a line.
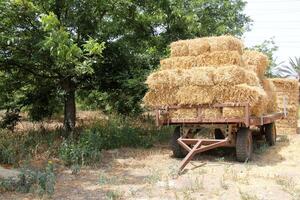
point(275, 18)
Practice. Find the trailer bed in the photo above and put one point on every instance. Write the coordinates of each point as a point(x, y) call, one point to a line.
point(247, 120)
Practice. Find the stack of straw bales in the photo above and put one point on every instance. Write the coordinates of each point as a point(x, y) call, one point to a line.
point(211, 70)
point(287, 91)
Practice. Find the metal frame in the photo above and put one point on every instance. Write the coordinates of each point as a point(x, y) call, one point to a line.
point(201, 145)
point(246, 121)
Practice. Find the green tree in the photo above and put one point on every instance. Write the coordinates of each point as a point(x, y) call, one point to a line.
point(37, 49)
point(46, 45)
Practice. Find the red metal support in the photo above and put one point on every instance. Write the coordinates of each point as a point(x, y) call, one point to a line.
point(200, 145)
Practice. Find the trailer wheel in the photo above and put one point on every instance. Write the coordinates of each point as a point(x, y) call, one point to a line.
point(219, 134)
point(178, 151)
point(244, 145)
point(270, 131)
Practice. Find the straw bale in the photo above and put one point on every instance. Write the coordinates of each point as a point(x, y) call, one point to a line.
point(223, 43)
point(286, 131)
point(186, 62)
point(269, 88)
point(184, 113)
point(198, 46)
point(285, 85)
point(243, 93)
point(287, 92)
point(179, 48)
point(232, 112)
point(257, 59)
point(260, 72)
point(195, 95)
point(207, 113)
point(160, 97)
point(218, 58)
point(163, 78)
point(260, 108)
point(234, 75)
point(212, 113)
point(198, 76)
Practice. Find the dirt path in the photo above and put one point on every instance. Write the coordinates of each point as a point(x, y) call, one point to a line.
point(274, 173)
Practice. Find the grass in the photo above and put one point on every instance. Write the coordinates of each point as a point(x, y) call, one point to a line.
point(112, 195)
point(246, 196)
point(37, 181)
point(104, 179)
point(286, 183)
point(261, 148)
point(154, 177)
point(86, 149)
point(116, 132)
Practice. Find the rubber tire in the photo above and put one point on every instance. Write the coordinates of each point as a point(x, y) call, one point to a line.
point(270, 133)
point(178, 151)
point(244, 145)
point(218, 134)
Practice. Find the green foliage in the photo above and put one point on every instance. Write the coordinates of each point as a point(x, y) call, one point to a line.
point(69, 59)
point(93, 100)
point(41, 182)
point(112, 134)
point(268, 47)
point(41, 54)
point(10, 119)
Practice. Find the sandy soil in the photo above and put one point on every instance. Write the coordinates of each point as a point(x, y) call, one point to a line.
point(274, 173)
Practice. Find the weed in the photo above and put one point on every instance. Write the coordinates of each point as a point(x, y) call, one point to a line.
point(199, 183)
point(261, 148)
point(246, 196)
point(154, 177)
point(173, 171)
point(113, 195)
point(220, 159)
point(223, 183)
point(114, 133)
point(187, 195)
point(41, 182)
point(105, 179)
point(287, 183)
point(75, 169)
point(283, 139)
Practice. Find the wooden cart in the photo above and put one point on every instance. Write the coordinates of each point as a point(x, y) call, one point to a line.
point(228, 132)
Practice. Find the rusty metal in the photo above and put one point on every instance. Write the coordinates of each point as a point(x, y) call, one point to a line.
point(247, 120)
point(199, 145)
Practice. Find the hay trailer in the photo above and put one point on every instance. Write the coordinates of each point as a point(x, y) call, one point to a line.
point(228, 132)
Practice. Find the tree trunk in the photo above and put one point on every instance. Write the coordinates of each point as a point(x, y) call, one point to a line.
point(70, 106)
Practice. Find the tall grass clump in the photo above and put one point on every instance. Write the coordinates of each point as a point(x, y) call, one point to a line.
point(114, 133)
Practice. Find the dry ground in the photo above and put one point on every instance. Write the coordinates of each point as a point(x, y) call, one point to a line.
point(126, 173)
